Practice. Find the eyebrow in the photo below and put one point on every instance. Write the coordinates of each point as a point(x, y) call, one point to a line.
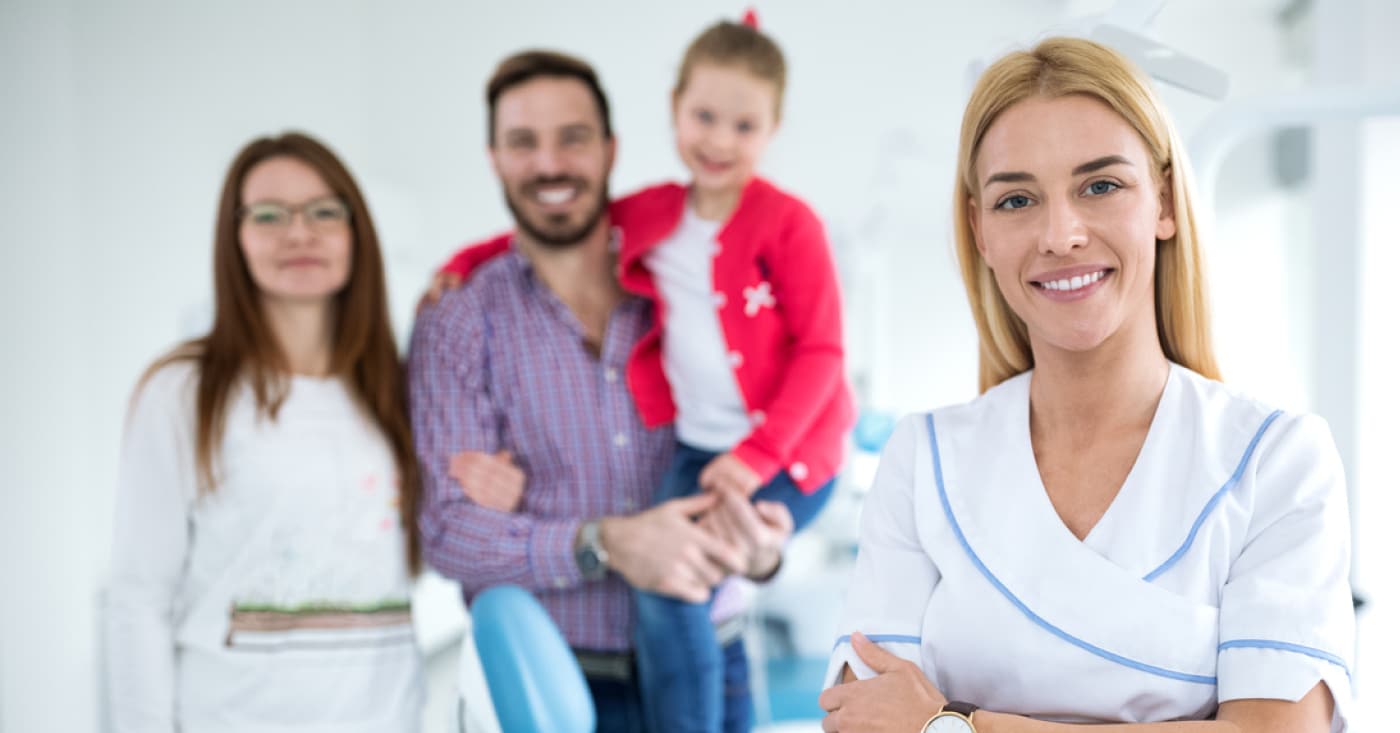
point(1090, 167)
point(1100, 163)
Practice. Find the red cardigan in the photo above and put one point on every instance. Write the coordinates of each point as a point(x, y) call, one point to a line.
point(779, 308)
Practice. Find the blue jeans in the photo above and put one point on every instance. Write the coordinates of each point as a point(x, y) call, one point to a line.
point(738, 699)
point(683, 675)
point(619, 704)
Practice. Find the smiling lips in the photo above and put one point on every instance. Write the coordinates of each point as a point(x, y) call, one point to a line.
point(304, 262)
point(1067, 285)
point(554, 192)
point(556, 196)
point(712, 166)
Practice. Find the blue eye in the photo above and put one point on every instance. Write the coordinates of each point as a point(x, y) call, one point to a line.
point(705, 116)
point(745, 127)
point(1099, 188)
point(1014, 202)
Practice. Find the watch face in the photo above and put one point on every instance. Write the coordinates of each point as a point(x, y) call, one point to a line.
point(948, 724)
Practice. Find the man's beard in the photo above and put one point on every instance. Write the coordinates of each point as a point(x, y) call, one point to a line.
point(555, 231)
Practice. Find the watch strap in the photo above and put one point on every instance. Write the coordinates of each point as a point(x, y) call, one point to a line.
point(589, 555)
point(965, 709)
point(953, 708)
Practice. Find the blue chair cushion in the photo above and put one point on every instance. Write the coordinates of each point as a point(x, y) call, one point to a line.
point(535, 682)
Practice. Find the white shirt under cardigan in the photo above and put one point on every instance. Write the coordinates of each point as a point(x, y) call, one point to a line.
point(277, 602)
point(1219, 572)
point(710, 412)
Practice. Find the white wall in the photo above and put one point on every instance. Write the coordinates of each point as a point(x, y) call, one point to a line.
point(117, 119)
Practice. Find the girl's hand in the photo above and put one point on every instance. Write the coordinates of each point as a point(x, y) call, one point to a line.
point(727, 473)
point(493, 481)
point(442, 282)
point(899, 699)
point(759, 531)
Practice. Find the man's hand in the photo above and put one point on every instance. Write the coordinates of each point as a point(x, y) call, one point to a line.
point(727, 473)
point(442, 282)
point(898, 699)
point(662, 550)
point(493, 481)
point(759, 531)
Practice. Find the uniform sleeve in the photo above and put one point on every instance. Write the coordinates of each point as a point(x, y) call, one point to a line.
point(155, 489)
point(805, 282)
point(894, 577)
point(1286, 617)
point(452, 410)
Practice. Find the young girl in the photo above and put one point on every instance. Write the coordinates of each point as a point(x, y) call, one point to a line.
point(746, 356)
point(261, 565)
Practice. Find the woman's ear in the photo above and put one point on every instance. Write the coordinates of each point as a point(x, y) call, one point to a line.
point(976, 224)
point(1166, 215)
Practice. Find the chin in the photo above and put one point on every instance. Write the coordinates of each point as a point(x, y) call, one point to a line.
point(305, 294)
point(1078, 340)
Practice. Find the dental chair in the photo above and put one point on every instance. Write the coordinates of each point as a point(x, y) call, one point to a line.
point(535, 683)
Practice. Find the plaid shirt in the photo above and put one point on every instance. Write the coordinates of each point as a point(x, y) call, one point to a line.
point(502, 364)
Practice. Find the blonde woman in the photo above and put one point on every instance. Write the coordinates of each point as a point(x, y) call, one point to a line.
point(1107, 534)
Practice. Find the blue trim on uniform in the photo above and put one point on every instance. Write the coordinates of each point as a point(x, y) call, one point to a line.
point(1214, 500)
point(1055, 630)
point(1286, 647)
point(880, 639)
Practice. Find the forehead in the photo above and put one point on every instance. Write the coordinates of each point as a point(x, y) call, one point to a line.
point(283, 178)
point(728, 85)
point(547, 102)
point(1050, 136)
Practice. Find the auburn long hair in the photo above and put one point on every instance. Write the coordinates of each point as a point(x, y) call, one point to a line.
point(1059, 67)
point(241, 344)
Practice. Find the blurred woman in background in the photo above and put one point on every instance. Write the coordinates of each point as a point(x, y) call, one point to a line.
point(263, 549)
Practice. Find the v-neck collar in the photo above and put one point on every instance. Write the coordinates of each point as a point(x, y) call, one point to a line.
point(1099, 536)
point(1001, 520)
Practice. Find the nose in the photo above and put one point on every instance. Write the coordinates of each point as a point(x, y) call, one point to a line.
point(299, 228)
point(549, 161)
point(721, 137)
point(1064, 229)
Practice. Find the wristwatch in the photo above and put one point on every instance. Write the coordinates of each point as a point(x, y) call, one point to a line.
point(589, 555)
point(955, 717)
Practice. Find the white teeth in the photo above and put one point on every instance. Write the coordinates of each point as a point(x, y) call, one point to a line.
point(1073, 283)
point(555, 196)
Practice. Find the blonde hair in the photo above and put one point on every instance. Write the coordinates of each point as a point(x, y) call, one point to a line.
point(1059, 67)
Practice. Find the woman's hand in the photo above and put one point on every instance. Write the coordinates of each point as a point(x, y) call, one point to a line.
point(493, 481)
point(899, 699)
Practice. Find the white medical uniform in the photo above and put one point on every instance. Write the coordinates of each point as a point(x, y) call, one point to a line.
point(1219, 572)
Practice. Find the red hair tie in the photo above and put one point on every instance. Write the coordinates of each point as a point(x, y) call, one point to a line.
point(751, 18)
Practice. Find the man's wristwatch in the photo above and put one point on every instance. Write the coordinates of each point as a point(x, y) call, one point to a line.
point(589, 555)
point(955, 717)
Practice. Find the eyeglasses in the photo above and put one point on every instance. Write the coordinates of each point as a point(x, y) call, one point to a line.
point(323, 214)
